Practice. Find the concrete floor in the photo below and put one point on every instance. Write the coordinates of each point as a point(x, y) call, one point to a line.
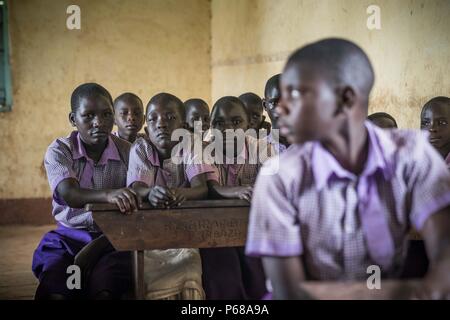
point(17, 244)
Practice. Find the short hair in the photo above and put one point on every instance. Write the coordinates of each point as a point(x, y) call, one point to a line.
point(165, 98)
point(251, 98)
point(128, 97)
point(195, 102)
point(273, 82)
point(378, 115)
point(439, 99)
point(90, 89)
point(227, 100)
point(341, 61)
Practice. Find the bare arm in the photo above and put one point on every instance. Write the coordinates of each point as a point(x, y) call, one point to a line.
point(286, 275)
point(160, 196)
point(197, 191)
point(217, 191)
point(76, 197)
point(436, 233)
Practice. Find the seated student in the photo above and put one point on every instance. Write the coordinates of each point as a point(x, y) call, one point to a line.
point(197, 110)
point(153, 173)
point(272, 96)
point(435, 118)
point(254, 107)
point(227, 272)
point(348, 192)
point(383, 120)
point(128, 116)
point(88, 166)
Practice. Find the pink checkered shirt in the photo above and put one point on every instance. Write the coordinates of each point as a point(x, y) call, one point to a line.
point(146, 167)
point(67, 158)
point(340, 223)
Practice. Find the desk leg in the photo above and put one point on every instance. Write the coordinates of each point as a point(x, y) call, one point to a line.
point(138, 274)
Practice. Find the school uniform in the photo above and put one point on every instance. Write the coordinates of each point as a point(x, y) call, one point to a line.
point(340, 223)
point(227, 272)
point(276, 145)
point(139, 135)
point(67, 158)
point(173, 273)
point(447, 161)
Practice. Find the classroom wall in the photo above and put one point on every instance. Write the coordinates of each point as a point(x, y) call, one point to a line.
point(139, 46)
point(411, 53)
point(203, 48)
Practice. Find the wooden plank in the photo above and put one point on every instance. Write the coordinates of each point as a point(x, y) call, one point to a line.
point(138, 275)
point(204, 227)
point(184, 205)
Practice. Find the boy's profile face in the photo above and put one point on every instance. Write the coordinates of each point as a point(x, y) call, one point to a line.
point(435, 118)
point(129, 117)
point(198, 113)
point(94, 119)
point(308, 107)
point(162, 120)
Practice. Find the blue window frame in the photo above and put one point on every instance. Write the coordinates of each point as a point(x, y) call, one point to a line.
point(5, 66)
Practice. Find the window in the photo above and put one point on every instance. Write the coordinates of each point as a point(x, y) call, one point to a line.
point(5, 67)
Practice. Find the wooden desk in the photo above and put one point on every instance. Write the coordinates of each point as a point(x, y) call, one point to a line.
point(194, 224)
point(209, 224)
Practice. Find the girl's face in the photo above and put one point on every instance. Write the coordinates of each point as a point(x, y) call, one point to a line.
point(198, 113)
point(230, 117)
point(129, 117)
point(436, 120)
point(94, 119)
point(162, 120)
point(255, 113)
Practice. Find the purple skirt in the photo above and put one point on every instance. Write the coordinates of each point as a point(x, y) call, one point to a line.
point(227, 273)
point(57, 251)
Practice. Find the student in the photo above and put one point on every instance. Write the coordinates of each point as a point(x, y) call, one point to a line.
point(156, 177)
point(435, 118)
point(254, 107)
point(128, 116)
point(246, 158)
point(272, 96)
point(88, 166)
point(227, 272)
point(383, 120)
point(197, 110)
point(347, 192)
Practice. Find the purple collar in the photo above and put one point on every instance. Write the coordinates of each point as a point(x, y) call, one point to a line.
point(110, 152)
point(381, 149)
point(153, 156)
point(447, 159)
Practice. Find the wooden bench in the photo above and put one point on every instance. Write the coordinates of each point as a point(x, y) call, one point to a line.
point(209, 224)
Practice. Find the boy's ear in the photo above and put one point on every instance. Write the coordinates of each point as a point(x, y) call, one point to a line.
point(264, 103)
point(146, 131)
point(346, 99)
point(72, 119)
